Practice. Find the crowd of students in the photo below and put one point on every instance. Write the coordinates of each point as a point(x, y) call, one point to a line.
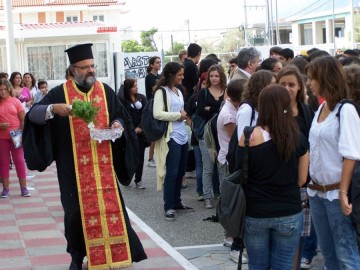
point(302, 150)
point(17, 94)
point(301, 156)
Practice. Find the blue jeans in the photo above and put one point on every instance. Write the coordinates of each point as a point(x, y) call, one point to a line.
point(335, 233)
point(175, 170)
point(198, 169)
point(272, 242)
point(310, 244)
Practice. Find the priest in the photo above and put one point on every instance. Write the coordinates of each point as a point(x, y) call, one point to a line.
point(96, 221)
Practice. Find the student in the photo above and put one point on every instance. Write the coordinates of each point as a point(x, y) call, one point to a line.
point(134, 103)
point(334, 150)
point(278, 166)
point(11, 118)
point(171, 150)
point(182, 56)
point(43, 90)
point(191, 76)
point(150, 82)
point(209, 101)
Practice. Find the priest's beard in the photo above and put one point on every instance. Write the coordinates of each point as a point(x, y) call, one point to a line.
point(86, 81)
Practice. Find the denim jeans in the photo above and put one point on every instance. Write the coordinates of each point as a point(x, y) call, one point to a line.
point(198, 169)
point(335, 234)
point(310, 244)
point(272, 242)
point(175, 170)
point(208, 169)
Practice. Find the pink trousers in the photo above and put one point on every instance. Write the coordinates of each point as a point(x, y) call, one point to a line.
point(7, 146)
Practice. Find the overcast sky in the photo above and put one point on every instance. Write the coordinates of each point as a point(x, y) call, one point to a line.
point(205, 18)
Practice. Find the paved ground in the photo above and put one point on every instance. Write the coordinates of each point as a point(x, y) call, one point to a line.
point(31, 229)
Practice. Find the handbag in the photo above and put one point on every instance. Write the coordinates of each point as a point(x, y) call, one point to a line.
point(16, 137)
point(198, 123)
point(153, 128)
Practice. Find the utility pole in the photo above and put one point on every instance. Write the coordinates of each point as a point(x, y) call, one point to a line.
point(172, 45)
point(277, 24)
point(11, 58)
point(246, 39)
point(246, 25)
point(188, 26)
point(333, 16)
point(352, 34)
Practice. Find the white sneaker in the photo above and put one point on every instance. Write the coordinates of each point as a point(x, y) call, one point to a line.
point(151, 163)
point(228, 241)
point(140, 185)
point(208, 204)
point(234, 256)
point(305, 263)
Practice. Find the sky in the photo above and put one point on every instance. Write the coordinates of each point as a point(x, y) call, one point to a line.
point(205, 18)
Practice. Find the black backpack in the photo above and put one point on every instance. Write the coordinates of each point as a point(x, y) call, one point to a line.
point(230, 157)
point(153, 128)
point(354, 190)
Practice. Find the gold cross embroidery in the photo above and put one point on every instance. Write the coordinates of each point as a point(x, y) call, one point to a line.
point(84, 160)
point(114, 219)
point(92, 221)
point(105, 159)
point(97, 99)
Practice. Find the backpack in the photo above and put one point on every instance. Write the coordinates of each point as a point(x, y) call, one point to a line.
point(153, 128)
point(354, 190)
point(230, 157)
point(232, 203)
point(211, 137)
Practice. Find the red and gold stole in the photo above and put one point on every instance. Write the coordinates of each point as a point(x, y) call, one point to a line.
point(106, 239)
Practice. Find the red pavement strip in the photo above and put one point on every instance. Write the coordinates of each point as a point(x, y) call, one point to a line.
point(31, 231)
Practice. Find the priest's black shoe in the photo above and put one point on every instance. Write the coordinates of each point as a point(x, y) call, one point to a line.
point(75, 266)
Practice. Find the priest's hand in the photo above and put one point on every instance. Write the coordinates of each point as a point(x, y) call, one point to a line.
point(61, 109)
point(116, 124)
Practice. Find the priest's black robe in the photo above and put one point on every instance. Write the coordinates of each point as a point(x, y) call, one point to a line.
point(125, 162)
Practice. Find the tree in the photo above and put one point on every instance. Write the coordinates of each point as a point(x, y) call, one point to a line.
point(148, 41)
point(232, 41)
point(356, 27)
point(207, 46)
point(131, 46)
point(176, 48)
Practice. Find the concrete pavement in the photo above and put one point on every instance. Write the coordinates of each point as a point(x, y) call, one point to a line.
point(31, 232)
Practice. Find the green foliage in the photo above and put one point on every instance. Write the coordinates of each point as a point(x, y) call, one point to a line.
point(357, 27)
point(176, 48)
point(85, 110)
point(148, 41)
point(131, 46)
point(231, 41)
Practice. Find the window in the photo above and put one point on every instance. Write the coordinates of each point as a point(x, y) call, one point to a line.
point(100, 58)
point(50, 62)
point(3, 63)
point(98, 18)
point(47, 62)
point(71, 18)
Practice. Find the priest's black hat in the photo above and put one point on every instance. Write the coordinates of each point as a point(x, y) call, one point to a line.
point(80, 52)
